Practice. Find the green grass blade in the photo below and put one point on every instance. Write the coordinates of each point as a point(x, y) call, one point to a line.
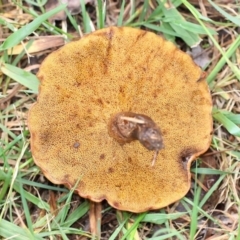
point(167, 233)
point(26, 30)
point(41, 185)
point(117, 230)
point(10, 145)
point(7, 24)
point(5, 178)
point(194, 214)
point(162, 29)
point(55, 233)
point(200, 210)
point(133, 228)
point(73, 22)
point(192, 27)
point(175, 20)
point(157, 13)
point(14, 176)
point(26, 210)
point(144, 11)
point(10, 133)
point(189, 38)
point(120, 17)
point(65, 209)
point(9, 230)
point(86, 18)
point(160, 218)
point(101, 12)
point(208, 171)
point(40, 3)
point(23, 52)
point(232, 50)
point(235, 154)
point(196, 15)
point(31, 198)
point(235, 20)
point(227, 123)
point(76, 214)
point(25, 78)
point(235, 118)
point(130, 21)
point(211, 190)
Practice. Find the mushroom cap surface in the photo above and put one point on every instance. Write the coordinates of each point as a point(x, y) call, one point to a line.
point(85, 83)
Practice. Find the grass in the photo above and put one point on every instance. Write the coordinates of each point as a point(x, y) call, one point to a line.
point(33, 208)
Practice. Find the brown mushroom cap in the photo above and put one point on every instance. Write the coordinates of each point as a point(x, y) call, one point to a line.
point(85, 83)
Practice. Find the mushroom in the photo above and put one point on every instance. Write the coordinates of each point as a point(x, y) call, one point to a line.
point(98, 95)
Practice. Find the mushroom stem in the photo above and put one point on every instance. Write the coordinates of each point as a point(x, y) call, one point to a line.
point(95, 215)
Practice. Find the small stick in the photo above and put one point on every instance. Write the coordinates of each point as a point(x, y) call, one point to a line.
point(154, 157)
point(135, 120)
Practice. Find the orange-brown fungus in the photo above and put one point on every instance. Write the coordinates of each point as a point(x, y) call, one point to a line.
point(113, 70)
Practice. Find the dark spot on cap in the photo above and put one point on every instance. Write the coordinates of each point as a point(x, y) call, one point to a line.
point(110, 34)
point(202, 76)
point(141, 35)
point(129, 159)
point(186, 155)
point(150, 208)
point(76, 145)
point(44, 136)
point(102, 156)
point(116, 204)
point(66, 177)
point(100, 101)
point(81, 185)
point(110, 170)
point(121, 90)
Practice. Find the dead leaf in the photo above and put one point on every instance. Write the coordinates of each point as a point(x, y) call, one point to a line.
point(200, 56)
point(38, 45)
